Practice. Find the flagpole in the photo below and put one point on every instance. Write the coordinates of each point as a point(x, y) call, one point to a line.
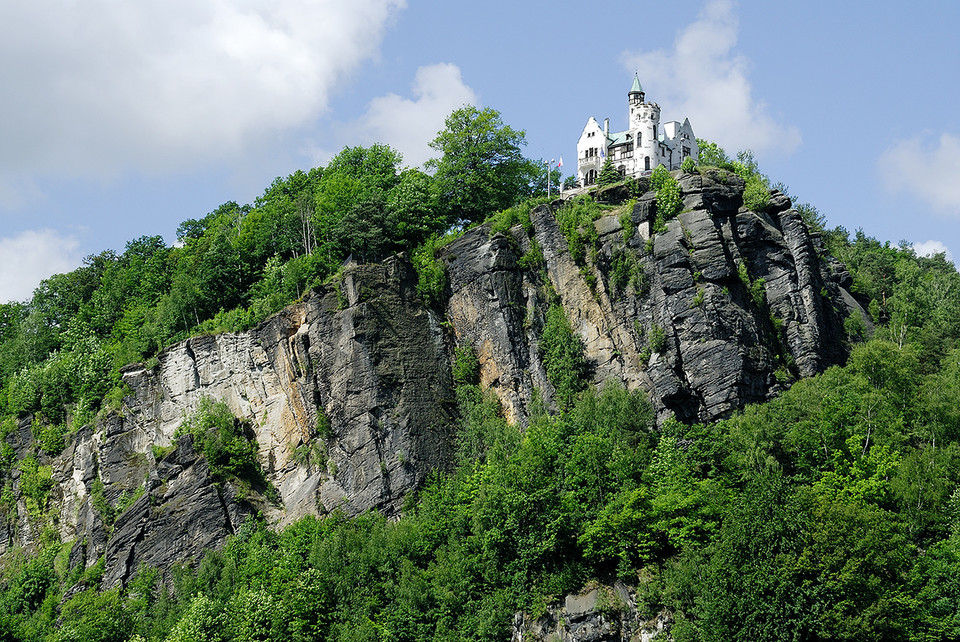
point(548, 177)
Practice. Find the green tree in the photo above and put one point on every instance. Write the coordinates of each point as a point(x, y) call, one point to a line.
point(376, 167)
point(712, 155)
point(414, 213)
point(481, 168)
point(608, 174)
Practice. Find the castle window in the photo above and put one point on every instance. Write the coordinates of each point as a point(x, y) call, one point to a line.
point(646, 163)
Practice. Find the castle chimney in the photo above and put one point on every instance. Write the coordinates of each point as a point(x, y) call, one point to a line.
point(606, 126)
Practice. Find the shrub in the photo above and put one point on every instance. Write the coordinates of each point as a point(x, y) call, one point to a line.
point(688, 166)
point(35, 483)
point(431, 272)
point(755, 288)
point(657, 339)
point(324, 427)
point(517, 215)
point(658, 177)
point(466, 367)
point(49, 437)
point(712, 155)
point(756, 194)
point(669, 196)
point(625, 270)
point(626, 224)
point(563, 358)
point(575, 220)
point(532, 259)
point(698, 299)
point(854, 326)
point(222, 439)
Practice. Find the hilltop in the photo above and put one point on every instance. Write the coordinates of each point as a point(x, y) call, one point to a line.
point(380, 430)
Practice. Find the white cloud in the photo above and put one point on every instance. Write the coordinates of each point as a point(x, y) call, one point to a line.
point(703, 79)
point(31, 256)
point(929, 248)
point(925, 169)
point(98, 86)
point(409, 125)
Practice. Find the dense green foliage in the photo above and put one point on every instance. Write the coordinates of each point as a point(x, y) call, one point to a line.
point(575, 220)
point(608, 174)
point(829, 513)
point(756, 195)
point(562, 357)
point(60, 352)
point(226, 442)
point(482, 169)
point(668, 197)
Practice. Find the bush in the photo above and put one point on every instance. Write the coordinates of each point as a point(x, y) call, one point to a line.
point(669, 196)
point(626, 224)
point(431, 273)
point(575, 220)
point(657, 339)
point(755, 288)
point(466, 367)
point(222, 439)
point(756, 194)
point(501, 222)
point(35, 483)
point(563, 357)
point(688, 166)
point(712, 155)
point(532, 259)
point(49, 437)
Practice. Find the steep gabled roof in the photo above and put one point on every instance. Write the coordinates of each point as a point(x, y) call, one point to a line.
point(636, 85)
point(617, 138)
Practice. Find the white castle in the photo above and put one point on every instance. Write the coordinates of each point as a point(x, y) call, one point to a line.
point(639, 148)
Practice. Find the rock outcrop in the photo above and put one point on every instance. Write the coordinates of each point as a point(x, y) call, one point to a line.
point(596, 614)
point(722, 308)
point(349, 393)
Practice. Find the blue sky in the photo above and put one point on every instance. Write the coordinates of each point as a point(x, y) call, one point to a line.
point(124, 119)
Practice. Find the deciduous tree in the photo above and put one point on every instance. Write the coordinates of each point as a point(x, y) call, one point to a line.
point(482, 169)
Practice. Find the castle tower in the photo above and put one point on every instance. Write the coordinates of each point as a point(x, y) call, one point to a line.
point(636, 92)
point(638, 149)
point(644, 128)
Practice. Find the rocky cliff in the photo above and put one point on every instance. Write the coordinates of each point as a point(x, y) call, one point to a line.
point(722, 308)
point(349, 393)
point(599, 613)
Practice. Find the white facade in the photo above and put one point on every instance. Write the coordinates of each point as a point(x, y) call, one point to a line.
point(638, 149)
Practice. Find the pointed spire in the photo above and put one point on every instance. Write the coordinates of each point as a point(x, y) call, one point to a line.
point(636, 85)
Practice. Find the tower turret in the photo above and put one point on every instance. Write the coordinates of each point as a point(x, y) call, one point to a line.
point(635, 95)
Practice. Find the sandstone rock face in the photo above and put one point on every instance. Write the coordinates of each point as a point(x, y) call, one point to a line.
point(723, 308)
point(598, 614)
point(349, 393)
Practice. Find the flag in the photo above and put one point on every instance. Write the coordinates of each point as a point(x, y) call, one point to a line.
point(560, 163)
point(603, 153)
